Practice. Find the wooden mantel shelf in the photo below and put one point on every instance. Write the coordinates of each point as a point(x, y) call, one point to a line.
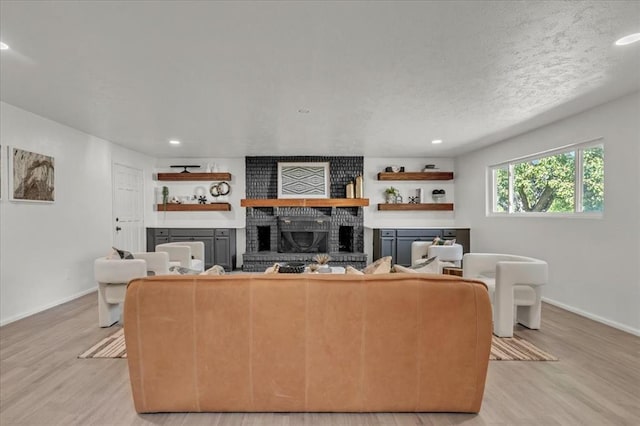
point(304, 202)
point(415, 176)
point(194, 176)
point(423, 206)
point(213, 207)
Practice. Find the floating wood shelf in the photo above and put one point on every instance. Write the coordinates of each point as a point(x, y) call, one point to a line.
point(214, 207)
point(423, 206)
point(415, 176)
point(304, 202)
point(194, 176)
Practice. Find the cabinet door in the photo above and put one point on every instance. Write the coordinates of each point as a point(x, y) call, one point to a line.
point(388, 247)
point(208, 247)
point(222, 253)
point(403, 250)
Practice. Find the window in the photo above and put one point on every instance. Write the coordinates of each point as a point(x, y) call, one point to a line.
point(566, 180)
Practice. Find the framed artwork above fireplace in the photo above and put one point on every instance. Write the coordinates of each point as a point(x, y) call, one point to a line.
point(303, 180)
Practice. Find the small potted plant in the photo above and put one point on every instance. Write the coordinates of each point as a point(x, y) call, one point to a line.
point(390, 195)
point(165, 197)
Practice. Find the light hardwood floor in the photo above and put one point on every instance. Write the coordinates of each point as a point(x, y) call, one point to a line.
point(596, 381)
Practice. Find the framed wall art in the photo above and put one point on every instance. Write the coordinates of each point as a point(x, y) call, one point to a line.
point(303, 180)
point(31, 176)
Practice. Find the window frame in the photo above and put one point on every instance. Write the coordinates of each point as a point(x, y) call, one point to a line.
point(578, 212)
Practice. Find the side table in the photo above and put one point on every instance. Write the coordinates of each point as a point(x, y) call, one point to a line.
point(452, 270)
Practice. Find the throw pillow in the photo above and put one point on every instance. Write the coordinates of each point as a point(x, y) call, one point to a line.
point(350, 270)
point(431, 268)
point(437, 242)
point(450, 242)
point(214, 270)
point(180, 270)
point(424, 261)
point(380, 266)
point(123, 253)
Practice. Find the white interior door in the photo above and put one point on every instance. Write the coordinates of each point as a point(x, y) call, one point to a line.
point(128, 216)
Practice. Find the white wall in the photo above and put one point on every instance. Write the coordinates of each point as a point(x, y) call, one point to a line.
point(374, 190)
point(47, 250)
point(593, 263)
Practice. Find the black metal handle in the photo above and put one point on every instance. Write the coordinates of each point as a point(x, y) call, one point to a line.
point(118, 228)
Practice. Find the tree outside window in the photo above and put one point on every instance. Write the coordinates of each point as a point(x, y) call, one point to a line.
point(549, 183)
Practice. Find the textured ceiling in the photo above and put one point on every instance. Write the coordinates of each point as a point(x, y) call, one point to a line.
point(378, 78)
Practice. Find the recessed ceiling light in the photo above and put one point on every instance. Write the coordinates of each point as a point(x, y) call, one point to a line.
point(631, 38)
point(436, 141)
point(174, 142)
point(4, 46)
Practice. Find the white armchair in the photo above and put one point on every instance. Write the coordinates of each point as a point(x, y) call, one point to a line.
point(188, 254)
point(452, 253)
point(113, 275)
point(514, 284)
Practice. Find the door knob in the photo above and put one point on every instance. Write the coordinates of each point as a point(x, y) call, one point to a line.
point(118, 228)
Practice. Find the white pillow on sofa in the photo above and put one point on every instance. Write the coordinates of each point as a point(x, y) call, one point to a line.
point(432, 267)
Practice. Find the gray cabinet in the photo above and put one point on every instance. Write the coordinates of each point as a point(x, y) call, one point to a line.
point(397, 242)
point(219, 244)
point(222, 247)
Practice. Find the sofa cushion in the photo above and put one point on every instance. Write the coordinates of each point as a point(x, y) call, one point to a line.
point(350, 270)
point(179, 270)
point(214, 270)
point(432, 267)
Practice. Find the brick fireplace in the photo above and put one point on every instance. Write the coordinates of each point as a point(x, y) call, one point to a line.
point(296, 234)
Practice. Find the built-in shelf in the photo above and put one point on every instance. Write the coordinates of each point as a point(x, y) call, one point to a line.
point(411, 206)
point(415, 176)
point(213, 207)
point(304, 202)
point(194, 176)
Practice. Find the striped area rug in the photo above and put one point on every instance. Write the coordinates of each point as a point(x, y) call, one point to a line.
point(502, 349)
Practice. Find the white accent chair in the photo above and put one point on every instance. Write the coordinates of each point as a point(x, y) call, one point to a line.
point(452, 253)
point(514, 284)
point(188, 254)
point(113, 275)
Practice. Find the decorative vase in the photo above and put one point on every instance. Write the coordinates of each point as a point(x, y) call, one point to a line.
point(359, 187)
point(349, 192)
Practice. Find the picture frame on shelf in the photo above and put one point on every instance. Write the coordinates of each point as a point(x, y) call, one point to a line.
point(303, 180)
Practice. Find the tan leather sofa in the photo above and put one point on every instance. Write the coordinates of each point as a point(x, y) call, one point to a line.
point(308, 342)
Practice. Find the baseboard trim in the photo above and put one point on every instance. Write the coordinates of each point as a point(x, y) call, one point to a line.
point(47, 306)
point(591, 316)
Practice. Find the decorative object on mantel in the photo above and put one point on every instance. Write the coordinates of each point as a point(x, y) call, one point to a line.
point(359, 186)
point(186, 167)
point(414, 200)
point(429, 167)
point(303, 180)
point(394, 169)
point(202, 200)
point(349, 190)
